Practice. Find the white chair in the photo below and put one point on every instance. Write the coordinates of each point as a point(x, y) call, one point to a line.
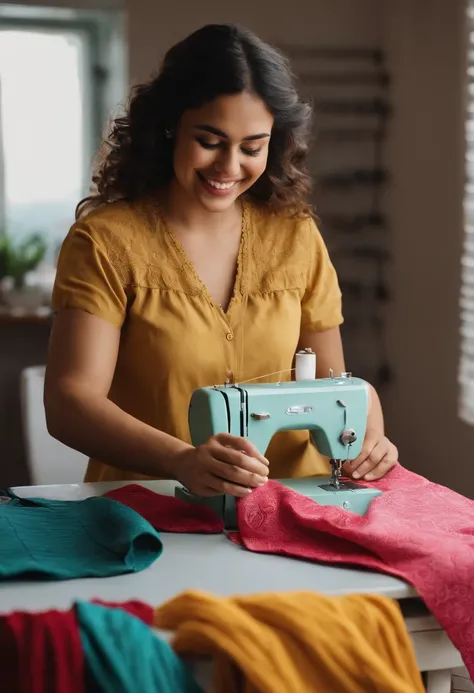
point(49, 461)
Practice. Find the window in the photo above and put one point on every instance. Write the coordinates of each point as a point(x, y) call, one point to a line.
point(57, 90)
point(466, 370)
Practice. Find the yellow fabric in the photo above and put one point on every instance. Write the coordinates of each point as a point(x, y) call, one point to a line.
point(298, 642)
point(125, 265)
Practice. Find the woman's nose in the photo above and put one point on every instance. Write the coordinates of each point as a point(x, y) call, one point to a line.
point(228, 163)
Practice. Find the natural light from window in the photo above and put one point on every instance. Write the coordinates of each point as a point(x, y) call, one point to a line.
point(42, 129)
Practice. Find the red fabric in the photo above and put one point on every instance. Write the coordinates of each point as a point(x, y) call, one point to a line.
point(41, 653)
point(143, 611)
point(168, 513)
point(415, 530)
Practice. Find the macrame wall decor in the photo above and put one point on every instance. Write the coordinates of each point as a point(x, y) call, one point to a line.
point(349, 89)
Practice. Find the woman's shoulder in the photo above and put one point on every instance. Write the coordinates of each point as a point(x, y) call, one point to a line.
point(121, 223)
point(126, 234)
point(284, 233)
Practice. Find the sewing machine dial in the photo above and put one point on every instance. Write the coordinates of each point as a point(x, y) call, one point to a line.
point(348, 437)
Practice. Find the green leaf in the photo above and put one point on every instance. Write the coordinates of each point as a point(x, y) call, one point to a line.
point(16, 260)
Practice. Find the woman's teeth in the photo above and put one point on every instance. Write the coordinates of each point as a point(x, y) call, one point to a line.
point(219, 186)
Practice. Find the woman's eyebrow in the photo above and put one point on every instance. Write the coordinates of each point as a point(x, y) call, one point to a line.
point(220, 133)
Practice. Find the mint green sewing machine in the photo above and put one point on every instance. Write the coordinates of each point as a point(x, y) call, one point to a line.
point(333, 409)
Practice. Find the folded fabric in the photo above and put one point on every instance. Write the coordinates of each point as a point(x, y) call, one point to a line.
point(41, 653)
point(416, 530)
point(123, 655)
point(91, 648)
point(168, 513)
point(96, 537)
point(301, 641)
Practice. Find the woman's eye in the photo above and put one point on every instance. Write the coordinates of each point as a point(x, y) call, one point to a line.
point(208, 145)
point(216, 145)
point(252, 152)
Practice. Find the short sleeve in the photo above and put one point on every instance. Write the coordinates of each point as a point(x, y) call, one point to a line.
point(87, 280)
point(321, 305)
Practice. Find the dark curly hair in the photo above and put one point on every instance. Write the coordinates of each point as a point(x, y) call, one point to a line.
point(218, 59)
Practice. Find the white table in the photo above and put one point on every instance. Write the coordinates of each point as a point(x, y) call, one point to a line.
point(213, 564)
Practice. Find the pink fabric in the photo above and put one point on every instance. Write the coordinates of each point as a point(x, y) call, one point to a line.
point(167, 513)
point(416, 530)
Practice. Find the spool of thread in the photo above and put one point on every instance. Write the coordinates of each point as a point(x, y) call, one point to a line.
point(305, 365)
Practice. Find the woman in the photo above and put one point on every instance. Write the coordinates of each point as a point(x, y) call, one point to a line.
point(196, 261)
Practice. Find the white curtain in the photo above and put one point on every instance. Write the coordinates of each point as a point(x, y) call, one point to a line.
point(466, 370)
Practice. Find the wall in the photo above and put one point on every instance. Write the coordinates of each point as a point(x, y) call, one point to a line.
point(425, 45)
point(152, 30)
point(68, 4)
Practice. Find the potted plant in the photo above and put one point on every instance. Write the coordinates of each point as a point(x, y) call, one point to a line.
point(17, 260)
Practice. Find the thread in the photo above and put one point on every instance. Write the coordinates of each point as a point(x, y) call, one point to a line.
point(266, 375)
point(305, 365)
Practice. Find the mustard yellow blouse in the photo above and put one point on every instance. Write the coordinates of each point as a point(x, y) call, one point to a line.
point(123, 264)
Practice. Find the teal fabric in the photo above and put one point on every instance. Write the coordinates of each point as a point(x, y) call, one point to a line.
point(123, 655)
point(60, 540)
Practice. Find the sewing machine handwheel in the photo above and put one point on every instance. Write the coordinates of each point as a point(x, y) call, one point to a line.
point(348, 437)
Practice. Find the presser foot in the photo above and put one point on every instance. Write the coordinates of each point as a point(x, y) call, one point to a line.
point(341, 486)
point(335, 483)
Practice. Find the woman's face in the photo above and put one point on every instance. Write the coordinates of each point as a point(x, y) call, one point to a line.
point(221, 149)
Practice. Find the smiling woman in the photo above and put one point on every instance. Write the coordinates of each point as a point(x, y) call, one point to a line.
point(215, 61)
point(195, 261)
point(217, 164)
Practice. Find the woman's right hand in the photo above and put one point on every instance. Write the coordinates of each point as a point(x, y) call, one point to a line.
point(223, 464)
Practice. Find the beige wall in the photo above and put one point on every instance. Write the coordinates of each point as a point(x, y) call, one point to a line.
point(71, 4)
point(152, 28)
point(425, 44)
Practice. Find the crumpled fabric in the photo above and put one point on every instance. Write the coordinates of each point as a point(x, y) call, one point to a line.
point(63, 540)
point(297, 642)
point(94, 647)
point(41, 653)
point(123, 655)
point(416, 530)
point(168, 513)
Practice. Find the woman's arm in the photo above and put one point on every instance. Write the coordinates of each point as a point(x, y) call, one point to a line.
point(81, 363)
point(378, 454)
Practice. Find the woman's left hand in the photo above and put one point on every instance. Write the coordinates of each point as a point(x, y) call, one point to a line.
point(377, 457)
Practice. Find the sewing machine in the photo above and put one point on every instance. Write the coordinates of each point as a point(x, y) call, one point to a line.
point(333, 409)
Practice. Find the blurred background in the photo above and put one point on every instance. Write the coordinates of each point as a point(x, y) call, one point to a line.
point(392, 158)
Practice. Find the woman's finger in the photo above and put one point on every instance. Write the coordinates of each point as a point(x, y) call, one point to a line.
point(382, 467)
point(377, 454)
point(242, 445)
point(226, 487)
point(237, 459)
point(366, 451)
point(236, 474)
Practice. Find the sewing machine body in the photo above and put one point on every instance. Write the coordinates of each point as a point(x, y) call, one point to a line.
point(326, 407)
point(333, 409)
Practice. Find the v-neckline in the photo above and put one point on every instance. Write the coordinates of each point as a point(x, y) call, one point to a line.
point(241, 269)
